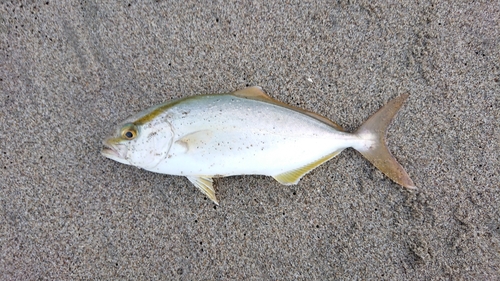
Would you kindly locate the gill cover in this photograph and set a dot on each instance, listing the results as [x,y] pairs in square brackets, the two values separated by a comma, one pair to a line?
[151,145]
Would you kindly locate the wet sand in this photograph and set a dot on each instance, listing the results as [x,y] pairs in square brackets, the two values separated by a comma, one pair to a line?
[69,72]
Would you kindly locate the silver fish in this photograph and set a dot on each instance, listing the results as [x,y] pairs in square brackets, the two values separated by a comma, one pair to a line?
[245,133]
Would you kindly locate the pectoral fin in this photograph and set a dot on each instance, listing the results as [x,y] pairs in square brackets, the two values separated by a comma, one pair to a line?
[205,184]
[293,176]
[196,140]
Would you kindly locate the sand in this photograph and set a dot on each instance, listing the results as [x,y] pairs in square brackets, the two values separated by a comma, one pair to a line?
[71,70]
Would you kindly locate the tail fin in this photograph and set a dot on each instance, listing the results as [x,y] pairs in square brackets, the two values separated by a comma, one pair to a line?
[373,131]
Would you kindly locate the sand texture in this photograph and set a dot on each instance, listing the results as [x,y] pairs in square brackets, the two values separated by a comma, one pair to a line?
[71,70]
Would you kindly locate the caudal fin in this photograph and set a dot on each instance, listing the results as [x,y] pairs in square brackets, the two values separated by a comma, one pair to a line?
[375,148]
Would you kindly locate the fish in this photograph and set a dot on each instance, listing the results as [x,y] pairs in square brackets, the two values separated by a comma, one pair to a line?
[246,132]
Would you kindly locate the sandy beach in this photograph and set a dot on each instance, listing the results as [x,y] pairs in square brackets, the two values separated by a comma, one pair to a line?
[71,70]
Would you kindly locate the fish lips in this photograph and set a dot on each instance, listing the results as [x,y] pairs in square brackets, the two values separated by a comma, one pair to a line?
[116,152]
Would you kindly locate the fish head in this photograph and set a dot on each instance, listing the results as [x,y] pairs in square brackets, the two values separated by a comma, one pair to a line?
[140,145]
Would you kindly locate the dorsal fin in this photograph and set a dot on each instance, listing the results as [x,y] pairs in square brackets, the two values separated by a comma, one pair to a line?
[256,93]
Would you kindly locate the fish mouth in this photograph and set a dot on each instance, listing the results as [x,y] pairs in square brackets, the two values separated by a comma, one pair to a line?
[114,151]
[109,151]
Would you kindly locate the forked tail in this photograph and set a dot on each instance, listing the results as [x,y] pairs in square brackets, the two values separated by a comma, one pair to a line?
[374,147]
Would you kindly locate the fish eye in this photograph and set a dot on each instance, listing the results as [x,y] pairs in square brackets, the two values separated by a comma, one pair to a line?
[129,132]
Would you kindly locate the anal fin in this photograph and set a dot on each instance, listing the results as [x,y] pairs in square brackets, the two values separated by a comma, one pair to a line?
[294,176]
[205,185]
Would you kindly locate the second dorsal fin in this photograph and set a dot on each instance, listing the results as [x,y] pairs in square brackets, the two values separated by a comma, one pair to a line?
[256,93]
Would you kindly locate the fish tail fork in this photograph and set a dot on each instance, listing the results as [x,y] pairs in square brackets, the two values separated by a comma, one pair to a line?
[374,148]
